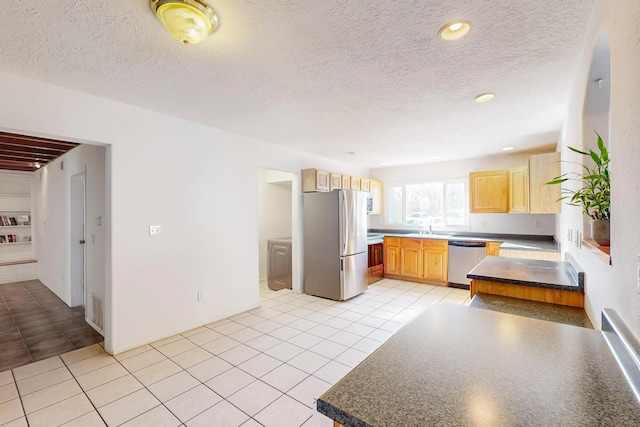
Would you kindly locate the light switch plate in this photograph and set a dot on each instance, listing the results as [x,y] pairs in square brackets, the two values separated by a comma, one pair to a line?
[154,230]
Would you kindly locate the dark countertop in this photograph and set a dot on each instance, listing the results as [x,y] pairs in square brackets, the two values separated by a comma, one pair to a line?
[510,241]
[461,366]
[529,272]
[533,309]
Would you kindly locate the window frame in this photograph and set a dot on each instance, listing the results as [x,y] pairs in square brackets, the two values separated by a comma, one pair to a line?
[445,182]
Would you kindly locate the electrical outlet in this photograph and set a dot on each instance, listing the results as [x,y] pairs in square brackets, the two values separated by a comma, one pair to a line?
[154,230]
[537,224]
[200,296]
[570,235]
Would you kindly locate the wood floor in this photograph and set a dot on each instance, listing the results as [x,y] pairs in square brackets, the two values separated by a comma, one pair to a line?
[35,324]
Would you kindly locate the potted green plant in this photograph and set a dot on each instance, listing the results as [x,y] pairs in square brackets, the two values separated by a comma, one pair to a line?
[594,196]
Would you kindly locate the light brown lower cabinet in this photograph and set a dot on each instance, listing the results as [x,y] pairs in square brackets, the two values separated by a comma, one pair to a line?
[417,260]
[493,248]
[531,293]
[391,256]
[434,265]
[411,258]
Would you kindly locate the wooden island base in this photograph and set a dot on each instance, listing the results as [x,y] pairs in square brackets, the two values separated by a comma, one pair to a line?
[532,293]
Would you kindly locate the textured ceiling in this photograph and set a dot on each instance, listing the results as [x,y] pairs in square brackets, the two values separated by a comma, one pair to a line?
[325,77]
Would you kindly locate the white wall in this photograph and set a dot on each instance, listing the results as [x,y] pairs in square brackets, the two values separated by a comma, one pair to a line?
[199,183]
[51,205]
[612,286]
[478,223]
[274,211]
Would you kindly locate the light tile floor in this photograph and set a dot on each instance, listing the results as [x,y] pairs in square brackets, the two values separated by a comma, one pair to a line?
[263,367]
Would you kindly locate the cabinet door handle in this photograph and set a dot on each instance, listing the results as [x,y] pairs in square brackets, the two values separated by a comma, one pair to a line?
[82,242]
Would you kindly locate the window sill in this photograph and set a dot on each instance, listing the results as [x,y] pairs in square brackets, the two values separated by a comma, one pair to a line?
[602,252]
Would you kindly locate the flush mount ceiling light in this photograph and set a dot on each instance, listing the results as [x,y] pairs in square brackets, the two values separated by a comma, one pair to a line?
[485,97]
[188,21]
[455,30]
[507,148]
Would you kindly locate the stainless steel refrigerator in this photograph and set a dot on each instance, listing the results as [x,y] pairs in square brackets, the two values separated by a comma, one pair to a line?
[335,244]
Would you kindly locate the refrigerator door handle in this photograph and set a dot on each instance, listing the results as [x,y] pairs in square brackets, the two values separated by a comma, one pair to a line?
[344,223]
[341,265]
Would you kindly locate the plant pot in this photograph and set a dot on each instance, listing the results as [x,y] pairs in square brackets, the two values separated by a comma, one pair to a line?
[600,232]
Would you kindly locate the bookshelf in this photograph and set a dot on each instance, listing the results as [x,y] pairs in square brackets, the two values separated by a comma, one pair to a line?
[15,229]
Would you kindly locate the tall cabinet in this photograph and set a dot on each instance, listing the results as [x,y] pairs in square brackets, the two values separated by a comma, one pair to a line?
[542,169]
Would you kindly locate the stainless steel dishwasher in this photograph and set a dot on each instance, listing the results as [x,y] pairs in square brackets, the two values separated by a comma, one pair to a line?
[463,256]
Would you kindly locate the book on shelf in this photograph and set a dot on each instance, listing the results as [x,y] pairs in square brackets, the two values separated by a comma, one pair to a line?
[3,239]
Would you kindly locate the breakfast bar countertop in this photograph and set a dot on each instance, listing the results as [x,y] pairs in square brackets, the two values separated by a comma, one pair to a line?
[457,365]
[529,272]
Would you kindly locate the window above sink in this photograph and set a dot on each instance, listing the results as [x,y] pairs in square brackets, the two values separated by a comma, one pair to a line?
[442,203]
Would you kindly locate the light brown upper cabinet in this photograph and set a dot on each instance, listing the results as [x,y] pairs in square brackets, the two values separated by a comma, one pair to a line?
[542,169]
[375,190]
[346,182]
[355,183]
[488,191]
[364,184]
[335,181]
[519,190]
[315,180]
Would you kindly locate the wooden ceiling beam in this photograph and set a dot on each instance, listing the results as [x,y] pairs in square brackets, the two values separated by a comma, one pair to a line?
[5,149]
[33,142]
[14,165]
[19,158]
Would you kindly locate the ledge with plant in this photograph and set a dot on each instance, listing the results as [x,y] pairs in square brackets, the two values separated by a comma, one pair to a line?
[594,196]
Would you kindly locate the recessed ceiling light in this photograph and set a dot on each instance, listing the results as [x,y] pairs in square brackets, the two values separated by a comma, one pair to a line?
[455,30]
[507,148]
[37,165]
[436,157]
[485,97]
[382,163]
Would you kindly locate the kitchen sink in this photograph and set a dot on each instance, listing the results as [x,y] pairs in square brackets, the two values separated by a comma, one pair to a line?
[428,236]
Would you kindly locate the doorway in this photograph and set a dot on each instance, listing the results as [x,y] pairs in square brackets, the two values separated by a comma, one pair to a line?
[278,207]
[77,214]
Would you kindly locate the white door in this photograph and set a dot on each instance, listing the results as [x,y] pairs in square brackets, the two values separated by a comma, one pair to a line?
[78,246]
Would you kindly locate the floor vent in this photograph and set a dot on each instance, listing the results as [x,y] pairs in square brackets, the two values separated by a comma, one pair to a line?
[97,311]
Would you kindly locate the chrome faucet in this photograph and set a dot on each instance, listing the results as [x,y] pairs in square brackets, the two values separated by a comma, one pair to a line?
[428,227]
